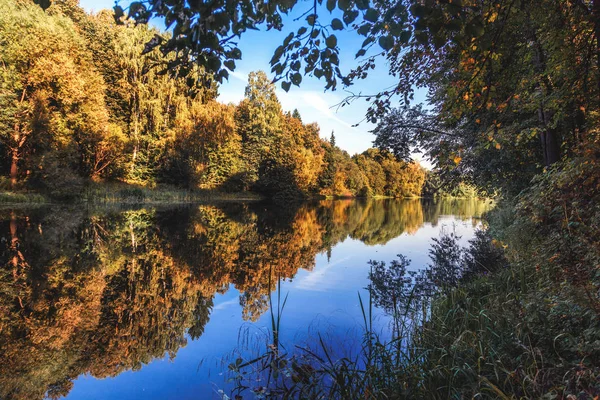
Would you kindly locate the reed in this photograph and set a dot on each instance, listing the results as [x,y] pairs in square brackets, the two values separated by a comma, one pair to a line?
[503,333]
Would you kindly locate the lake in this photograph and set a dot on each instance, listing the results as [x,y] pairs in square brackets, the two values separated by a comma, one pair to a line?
[153,302]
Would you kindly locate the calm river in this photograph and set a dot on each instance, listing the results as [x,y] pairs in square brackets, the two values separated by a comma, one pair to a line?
[151,303]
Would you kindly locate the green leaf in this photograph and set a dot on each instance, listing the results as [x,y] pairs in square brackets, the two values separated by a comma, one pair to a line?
[302,31]
[236,54]
[286,86]
[454,9]
[368,41]
[405,37]
[135,8]
[395,29]
[344,4]
[337,24]
[277,55]
[362,4]
[475,28]
[331,41]
[361,53]
[118,10]
[213,63]
[311,19]
[364,29]
[371,15]
[297,79]
[230,64]
[439,41]
[350,16]
[454,25]
[421,37]
[221,19]
[386,42]
[288,39]
[418,10]
[331,5]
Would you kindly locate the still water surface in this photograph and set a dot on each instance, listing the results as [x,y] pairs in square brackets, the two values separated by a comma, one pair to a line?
[150,303]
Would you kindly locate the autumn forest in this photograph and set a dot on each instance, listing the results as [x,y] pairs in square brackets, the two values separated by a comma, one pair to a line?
[82,101]
[157,242]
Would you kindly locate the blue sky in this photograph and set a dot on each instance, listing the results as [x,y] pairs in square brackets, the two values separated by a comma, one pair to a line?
[314,104]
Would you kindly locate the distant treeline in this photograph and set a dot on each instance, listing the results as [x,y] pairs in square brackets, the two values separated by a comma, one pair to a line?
[81,101]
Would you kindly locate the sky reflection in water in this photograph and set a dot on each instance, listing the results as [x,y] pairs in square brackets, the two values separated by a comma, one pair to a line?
[148,303]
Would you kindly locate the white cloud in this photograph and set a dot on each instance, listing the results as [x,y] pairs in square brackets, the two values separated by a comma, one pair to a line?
[242,76]
[314,106]
[226,304]
[315,281]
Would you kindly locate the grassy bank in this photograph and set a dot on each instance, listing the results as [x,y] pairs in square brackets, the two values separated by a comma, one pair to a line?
[507,334]
[7,197]
[515,315]
[106,193]
[126,194]
[121,193]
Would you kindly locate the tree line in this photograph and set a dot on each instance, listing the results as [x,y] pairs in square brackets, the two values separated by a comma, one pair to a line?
[513,86]
[513,105]
[83,99]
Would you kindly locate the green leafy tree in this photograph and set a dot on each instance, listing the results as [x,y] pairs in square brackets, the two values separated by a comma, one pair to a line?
[517,82]
[259,122]
[54,119]
[205,150]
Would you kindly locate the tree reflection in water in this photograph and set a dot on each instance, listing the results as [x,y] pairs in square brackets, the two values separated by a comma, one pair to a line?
[105,291]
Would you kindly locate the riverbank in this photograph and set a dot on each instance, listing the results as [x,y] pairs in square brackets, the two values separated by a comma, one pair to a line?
[105,193]
[515,314]
[7,197]
[122,193]
[128,194]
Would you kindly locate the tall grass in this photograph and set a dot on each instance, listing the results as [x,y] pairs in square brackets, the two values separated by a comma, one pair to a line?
[120,193]
[21,198]
[315,371]
[492,334]
[135,194]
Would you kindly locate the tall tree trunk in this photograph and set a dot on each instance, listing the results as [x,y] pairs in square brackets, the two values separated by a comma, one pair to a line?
[136,144]
[550,146]
[548,135]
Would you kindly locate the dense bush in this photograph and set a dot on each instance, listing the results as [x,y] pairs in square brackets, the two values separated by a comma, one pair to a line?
[513,315]
[531,330]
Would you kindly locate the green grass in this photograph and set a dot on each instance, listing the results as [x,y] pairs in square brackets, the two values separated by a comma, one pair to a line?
[117,193]
[21,198]
[133,194]
[509,332]
[475,343]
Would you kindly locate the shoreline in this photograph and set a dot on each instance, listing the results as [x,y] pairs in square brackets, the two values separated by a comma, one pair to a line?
[103,194]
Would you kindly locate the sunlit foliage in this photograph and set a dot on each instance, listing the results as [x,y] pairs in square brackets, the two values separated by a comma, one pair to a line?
[83,99]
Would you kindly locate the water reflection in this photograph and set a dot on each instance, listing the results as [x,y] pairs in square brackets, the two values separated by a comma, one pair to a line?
[105,291]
